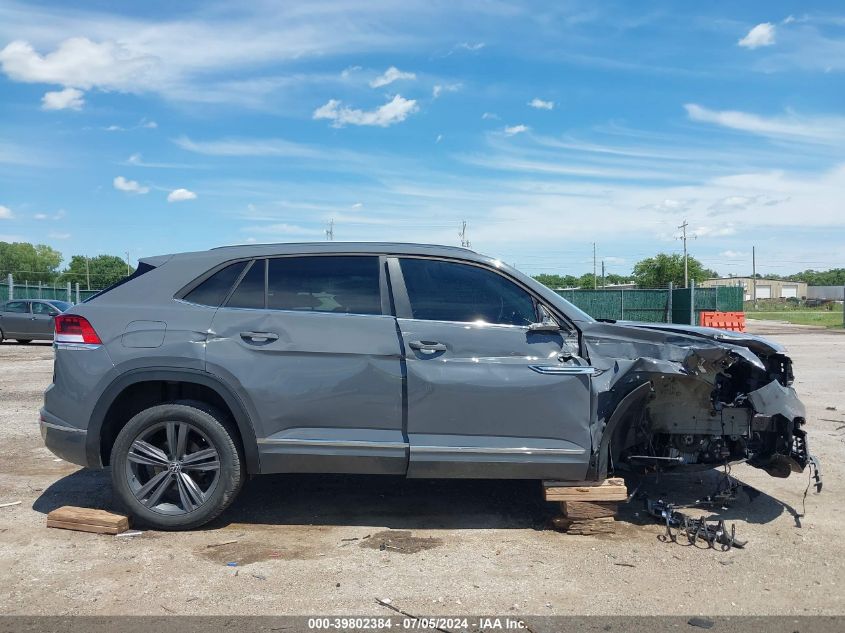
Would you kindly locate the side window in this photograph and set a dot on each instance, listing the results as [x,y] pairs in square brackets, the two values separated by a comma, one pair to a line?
[343,284]
[17,306]
[250,291]
[446,291]
[214,290]
[43,308]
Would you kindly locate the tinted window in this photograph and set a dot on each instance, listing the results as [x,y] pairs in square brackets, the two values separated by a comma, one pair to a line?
[16,306]
[250,291]
[445,291]
[214,290]
[345,284]
[43,308]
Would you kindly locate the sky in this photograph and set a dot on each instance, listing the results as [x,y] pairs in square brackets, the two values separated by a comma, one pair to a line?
[157,127]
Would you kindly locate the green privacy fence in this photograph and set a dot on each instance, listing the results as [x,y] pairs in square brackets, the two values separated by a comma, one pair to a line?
[43,291]
[655,305]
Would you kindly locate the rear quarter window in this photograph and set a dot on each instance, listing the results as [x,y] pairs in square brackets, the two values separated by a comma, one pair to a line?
[214,290]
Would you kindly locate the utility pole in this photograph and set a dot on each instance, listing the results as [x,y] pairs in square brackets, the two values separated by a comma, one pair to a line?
[330,231]
[87,275]
[463,235]
[754,275]
[683,237]
[603,284]
[128,265]
[595,281]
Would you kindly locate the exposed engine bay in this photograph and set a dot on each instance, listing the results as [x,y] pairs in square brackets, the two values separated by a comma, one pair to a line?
[689,397]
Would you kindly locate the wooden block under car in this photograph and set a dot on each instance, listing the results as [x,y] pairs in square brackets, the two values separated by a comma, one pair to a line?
[87,520]
[584,510]
[612,489]
[590,527]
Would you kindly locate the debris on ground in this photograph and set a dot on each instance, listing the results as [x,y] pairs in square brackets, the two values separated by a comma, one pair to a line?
[10,503]
[128,534]
[211,545]
[713,531]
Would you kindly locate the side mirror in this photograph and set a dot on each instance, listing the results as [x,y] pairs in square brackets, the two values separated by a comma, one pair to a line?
[546,326]
[547,322]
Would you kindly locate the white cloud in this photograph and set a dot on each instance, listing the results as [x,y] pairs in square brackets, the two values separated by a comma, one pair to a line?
[6,213]
[77,62]
[823,130]
[761,35]
[788,19]
[67,99]
[150,125]
[539,104]
[56,216]
[390,75]
[130,186]
[721,230]
[470,46]
[394,111]
[179,195]
[489,116]
[733,254]
[670,205]
[58,236]
[439,89]
[439,138]
[512,130]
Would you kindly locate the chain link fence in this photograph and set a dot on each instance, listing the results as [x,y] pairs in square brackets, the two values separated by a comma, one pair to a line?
[656,305]
[71,293]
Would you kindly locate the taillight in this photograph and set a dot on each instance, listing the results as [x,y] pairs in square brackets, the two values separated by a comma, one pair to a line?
[71,328]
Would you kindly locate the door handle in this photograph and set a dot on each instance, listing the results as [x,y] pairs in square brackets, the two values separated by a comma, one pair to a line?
[427,347]
[259,338]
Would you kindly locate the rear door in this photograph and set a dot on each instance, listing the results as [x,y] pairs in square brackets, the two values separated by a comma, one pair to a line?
[310,342]
[16,319]
[487,396]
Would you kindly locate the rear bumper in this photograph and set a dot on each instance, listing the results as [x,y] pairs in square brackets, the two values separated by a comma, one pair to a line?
[64,440]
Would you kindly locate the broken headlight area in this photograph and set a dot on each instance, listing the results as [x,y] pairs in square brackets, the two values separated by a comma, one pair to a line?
[673,399]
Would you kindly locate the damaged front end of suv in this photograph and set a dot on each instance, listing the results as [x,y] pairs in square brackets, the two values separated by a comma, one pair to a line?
[671,396]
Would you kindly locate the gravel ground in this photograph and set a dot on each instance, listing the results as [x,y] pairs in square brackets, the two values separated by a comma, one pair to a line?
[318,545]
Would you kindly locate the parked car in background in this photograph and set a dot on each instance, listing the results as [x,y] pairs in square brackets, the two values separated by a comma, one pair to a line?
[27,320]
[423,361]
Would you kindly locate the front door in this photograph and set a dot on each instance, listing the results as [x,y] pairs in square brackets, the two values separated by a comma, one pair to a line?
[308,341]
[487,397]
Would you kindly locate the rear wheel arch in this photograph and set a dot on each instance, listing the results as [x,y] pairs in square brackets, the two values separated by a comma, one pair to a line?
[139,389]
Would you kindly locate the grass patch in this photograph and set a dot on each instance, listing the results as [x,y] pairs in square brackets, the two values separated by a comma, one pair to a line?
[823,318]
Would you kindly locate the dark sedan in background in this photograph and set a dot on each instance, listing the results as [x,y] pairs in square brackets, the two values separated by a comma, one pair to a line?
[28,320]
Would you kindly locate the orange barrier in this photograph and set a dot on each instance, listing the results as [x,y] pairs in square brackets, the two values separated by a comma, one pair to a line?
[734,321]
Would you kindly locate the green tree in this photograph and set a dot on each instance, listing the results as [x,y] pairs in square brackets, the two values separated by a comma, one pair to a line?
[658,271]
[103,270]
[29,262]
[557,281]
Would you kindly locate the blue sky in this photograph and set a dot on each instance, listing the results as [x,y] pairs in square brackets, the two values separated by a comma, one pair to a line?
[169,126]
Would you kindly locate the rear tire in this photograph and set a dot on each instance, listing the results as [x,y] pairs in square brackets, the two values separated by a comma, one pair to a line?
[24,341]
[176,466]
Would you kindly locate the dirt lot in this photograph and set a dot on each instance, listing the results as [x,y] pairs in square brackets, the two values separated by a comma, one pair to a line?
[307,545]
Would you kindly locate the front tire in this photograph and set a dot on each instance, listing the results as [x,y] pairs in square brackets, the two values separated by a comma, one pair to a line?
[176,466]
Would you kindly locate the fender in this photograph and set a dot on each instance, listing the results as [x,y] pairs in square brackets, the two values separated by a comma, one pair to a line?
[148,374]
[636,397]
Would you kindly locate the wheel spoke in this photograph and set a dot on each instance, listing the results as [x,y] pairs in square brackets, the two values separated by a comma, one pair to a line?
[143,452]
[205,459]
[189,492]
[155,487]
[177,439]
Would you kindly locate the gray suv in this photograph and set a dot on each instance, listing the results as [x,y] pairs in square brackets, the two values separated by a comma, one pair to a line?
[424,361]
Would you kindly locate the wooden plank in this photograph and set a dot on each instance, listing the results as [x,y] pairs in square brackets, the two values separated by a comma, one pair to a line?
[581,510]
[87,520]
[605,525]
[613,489]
